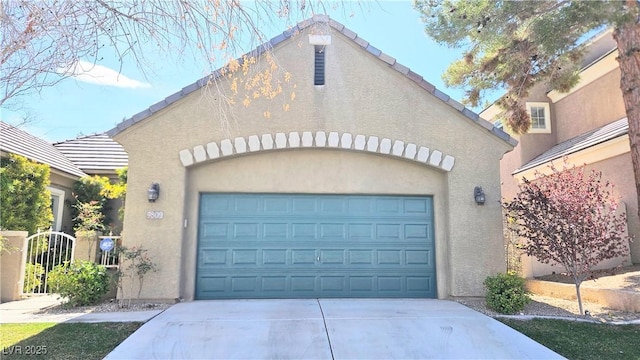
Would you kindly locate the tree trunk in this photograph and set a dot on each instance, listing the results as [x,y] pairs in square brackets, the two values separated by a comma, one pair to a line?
[627,37]
[579,298]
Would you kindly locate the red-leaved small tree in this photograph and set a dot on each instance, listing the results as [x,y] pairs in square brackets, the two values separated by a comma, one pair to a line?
[569,219]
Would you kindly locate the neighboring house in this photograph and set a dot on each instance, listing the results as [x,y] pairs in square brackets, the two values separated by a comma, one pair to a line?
[63,172]
[95,154]
[364,188]
[99,155]
[587,125]
[69,161]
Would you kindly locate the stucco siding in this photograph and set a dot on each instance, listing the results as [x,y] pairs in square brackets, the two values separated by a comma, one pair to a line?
[475,242]
[619,171]
[149,162]
[362,95]
[591,106]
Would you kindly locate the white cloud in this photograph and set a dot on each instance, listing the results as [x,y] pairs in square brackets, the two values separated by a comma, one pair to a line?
[100,75]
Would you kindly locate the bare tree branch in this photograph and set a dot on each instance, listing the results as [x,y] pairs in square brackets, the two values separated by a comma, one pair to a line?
[43,41]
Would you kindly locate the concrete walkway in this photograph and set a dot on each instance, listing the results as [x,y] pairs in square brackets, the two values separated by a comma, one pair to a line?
[33,309]
[326,329]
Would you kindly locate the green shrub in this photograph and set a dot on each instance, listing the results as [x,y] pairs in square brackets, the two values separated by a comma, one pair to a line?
[90,217]
[81,282]
[26,202]
[506,293]
[32,277]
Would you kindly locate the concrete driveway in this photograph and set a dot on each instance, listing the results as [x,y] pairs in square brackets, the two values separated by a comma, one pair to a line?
[326,329]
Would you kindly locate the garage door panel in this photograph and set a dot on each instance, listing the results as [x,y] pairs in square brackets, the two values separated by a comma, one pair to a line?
[218,205]
[277,205]
[244,257]
[274,257]
[390,284]
[335,231]
[311,286]
[361,231]
[361,257]
[303,256]
[215,230]
[416,231]
[212,257]
[338,258]
[363,284]
[360,206]
[417,257]
[243,284]
[332,283]
[304,230]
[389,257]
[416,206]
[246,204]
[303,284]
[331,257]
[304,205]
[332,205]
[256,246]
[418,283]
[243,231]
[275,231]
[389,231]
[212,284]
[274,284]
[388,206]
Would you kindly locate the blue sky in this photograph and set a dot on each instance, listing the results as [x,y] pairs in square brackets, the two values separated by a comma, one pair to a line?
[76,106]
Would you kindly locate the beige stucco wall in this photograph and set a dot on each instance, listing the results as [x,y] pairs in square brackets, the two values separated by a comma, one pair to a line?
[529,145]
[362,95]
[12,265]
[619,171]
[591,106]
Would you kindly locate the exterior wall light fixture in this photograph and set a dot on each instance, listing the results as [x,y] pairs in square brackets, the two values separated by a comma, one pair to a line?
[478,195]
[153,192]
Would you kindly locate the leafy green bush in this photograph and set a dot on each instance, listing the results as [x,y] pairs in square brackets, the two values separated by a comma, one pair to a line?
[32,277]
[26,202]
[81,282]
[90,217]
[89,195]
[506,293]
[90,211]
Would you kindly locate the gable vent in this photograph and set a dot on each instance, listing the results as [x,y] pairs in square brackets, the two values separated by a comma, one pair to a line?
[318,75]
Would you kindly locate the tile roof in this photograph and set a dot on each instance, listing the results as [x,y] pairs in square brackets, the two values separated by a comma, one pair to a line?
[592,138]
[16,141]
[94,153]
[393,64]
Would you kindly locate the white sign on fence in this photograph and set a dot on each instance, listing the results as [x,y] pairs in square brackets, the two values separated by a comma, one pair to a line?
[107,244]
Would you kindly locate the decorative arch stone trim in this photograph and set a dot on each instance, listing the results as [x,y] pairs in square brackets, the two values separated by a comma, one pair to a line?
[321,139]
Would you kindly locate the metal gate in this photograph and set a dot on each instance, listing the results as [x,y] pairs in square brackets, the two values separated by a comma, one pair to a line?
[45,250]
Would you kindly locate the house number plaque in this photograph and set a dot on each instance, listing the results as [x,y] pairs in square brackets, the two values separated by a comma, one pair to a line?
[155,215]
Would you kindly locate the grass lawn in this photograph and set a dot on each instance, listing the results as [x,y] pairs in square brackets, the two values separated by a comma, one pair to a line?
[577,340]
[62,341]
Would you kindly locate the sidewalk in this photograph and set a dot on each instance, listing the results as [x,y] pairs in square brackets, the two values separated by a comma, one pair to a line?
[32,309]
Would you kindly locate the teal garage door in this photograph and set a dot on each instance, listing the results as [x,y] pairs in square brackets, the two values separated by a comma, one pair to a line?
[310,246]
